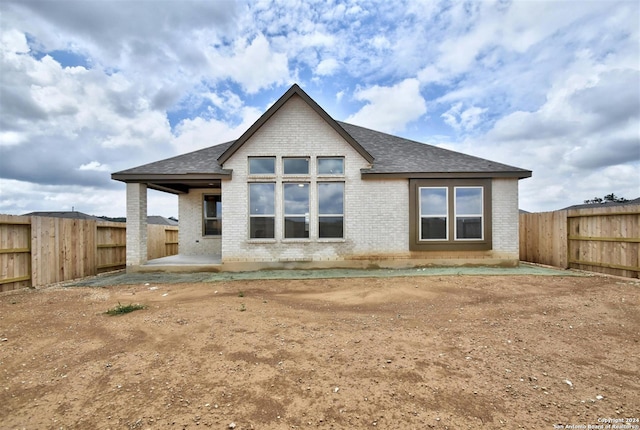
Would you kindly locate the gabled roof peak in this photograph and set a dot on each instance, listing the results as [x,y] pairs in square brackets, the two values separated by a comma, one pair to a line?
[294,90]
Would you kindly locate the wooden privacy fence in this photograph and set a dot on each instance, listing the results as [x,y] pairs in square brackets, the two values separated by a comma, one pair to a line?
[598,239]
[37,251]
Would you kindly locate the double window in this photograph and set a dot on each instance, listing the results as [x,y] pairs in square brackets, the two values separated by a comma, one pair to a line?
[450,215]
[310,207]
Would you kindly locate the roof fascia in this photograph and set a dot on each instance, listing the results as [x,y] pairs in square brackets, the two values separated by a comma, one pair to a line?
[159,178]
[448,175]
[294,90]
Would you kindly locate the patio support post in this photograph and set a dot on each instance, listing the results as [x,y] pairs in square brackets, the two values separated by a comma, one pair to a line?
[136,224]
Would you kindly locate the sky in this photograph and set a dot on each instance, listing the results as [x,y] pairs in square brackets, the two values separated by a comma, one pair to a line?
[92,87]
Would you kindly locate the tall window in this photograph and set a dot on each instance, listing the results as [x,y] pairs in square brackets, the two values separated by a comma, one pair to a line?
[468,208]
[262,210]
[433,213]
[330,209]
[212,208]
[296,210]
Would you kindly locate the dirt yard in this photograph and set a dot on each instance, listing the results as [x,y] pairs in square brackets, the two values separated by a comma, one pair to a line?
[457,352]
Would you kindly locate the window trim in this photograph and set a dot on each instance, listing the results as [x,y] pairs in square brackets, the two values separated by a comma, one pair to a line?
[451,244]
[205,218]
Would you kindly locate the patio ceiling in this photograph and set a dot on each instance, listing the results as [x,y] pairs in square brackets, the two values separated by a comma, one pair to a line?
[174,184]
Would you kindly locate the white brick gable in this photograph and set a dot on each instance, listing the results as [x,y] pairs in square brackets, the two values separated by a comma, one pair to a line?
[296,130]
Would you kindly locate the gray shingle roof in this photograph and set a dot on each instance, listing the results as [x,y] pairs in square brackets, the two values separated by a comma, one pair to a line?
[388,154]
[392,155]
[396,155]
[203,161]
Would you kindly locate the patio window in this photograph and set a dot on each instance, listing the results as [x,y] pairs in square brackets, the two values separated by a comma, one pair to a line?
[296,210]
[212,215]
[450,215]
[262,210]
[330,210]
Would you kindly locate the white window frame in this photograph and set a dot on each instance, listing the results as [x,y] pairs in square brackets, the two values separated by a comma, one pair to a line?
[475,215]
[445,215]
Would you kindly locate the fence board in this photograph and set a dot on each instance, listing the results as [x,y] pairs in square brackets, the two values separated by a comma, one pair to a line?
[599,239]
[543,238]
[15,259]
[111,240]
[160,240]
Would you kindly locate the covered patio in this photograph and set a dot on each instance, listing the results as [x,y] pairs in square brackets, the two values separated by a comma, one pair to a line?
[181,263]
[188,176]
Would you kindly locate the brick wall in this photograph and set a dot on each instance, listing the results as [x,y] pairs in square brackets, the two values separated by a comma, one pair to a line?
[136,224]
[376,211]
[505,216]
[297,130]
[190,238]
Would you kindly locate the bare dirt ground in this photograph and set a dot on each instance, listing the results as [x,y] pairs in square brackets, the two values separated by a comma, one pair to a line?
[457,352]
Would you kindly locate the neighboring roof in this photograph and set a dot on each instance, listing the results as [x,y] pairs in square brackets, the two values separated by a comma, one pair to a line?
[151,219]
[401,157]
[390,156]
[160,220]
[603,205]
[63,214]
[294,90]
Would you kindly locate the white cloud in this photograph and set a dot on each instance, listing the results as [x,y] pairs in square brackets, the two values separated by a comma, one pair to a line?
[241,64]
[463,119]
[8,138]
[198,133]
[13,42]
[389,108]
[95,166]
[327,67]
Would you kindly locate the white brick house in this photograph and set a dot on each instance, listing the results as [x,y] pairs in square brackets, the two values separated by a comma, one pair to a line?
[301,190]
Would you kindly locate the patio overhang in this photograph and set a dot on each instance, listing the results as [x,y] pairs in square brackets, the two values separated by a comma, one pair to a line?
[174,183]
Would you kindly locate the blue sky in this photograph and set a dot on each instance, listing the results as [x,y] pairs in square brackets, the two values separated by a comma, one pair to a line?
[88,88]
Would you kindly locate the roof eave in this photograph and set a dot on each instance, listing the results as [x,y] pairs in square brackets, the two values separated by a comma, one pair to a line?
[519,174]
[175,177]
